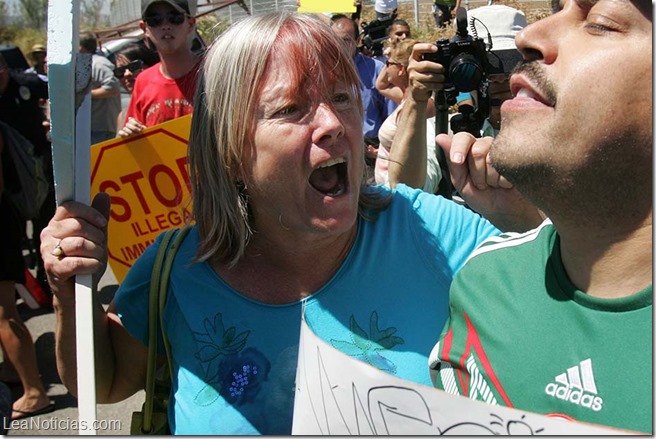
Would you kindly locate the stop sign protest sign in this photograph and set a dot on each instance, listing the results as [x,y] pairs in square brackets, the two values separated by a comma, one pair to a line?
[146,177]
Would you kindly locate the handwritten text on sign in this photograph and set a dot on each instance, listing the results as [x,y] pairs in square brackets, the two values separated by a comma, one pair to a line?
[146,177]
[339,395]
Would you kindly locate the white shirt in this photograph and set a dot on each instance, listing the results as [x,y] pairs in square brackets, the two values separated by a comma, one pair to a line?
[385,6]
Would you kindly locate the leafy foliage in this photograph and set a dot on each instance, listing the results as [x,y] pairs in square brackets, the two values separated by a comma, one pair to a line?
[34,13]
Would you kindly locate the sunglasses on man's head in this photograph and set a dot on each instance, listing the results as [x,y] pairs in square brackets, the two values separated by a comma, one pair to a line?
[132,66]
[156,20]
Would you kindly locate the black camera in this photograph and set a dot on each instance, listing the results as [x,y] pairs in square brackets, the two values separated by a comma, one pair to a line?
[374,35]
[464,58]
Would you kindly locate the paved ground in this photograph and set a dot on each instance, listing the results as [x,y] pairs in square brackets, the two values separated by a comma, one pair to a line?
[114,419]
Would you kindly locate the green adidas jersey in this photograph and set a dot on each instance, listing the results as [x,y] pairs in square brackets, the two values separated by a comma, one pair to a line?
[521,335]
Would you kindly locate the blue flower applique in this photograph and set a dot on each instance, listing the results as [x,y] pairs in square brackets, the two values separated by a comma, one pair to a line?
[368,347]
[218,344]
[241,376]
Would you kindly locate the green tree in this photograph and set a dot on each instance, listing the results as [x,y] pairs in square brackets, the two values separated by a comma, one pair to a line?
[91,14]
[34,13]
[3,14]
[210,27]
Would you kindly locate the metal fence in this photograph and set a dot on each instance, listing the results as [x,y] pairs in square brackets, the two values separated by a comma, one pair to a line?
[256,7]
[126,10]
[412,9]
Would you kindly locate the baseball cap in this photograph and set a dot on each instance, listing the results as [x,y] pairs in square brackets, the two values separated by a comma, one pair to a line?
[503,23]
[179,5]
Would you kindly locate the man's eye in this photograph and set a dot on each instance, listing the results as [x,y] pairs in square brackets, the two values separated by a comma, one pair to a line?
[601,26]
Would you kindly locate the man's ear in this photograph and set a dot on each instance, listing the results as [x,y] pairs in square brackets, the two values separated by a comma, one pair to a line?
[192,23]
[143,27]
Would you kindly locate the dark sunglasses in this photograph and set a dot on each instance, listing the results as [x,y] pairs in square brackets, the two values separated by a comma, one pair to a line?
[156,20]
[132,66]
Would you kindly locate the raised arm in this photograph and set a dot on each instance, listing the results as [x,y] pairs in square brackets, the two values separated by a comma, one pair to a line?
[408,152]
[386,88]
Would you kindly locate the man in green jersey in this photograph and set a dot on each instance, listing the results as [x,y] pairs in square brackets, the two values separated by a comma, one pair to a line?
[559,320]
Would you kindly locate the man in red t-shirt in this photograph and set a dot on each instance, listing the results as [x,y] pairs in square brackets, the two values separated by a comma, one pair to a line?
[165,91]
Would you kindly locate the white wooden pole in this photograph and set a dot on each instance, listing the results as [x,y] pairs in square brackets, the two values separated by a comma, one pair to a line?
[417,12]
[69,74]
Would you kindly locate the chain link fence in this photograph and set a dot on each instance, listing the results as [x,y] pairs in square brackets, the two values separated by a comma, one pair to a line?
[417,12]
[411,10]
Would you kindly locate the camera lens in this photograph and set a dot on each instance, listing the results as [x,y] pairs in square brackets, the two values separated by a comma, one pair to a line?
[465,72]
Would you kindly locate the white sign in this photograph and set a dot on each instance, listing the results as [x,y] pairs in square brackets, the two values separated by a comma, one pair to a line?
[339,395]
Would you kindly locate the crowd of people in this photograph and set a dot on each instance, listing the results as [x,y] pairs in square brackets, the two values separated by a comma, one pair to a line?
[314,172]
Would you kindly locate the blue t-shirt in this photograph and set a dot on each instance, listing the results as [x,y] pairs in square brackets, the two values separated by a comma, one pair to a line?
[234,358]
[375,104]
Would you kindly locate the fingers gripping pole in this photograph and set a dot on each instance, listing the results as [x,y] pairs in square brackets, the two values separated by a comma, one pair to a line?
[69,79]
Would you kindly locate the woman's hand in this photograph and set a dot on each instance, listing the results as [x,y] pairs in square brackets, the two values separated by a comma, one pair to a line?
[75,242]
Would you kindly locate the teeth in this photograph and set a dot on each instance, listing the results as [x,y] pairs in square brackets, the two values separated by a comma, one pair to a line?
[524,93]
[337,192]
[332,162]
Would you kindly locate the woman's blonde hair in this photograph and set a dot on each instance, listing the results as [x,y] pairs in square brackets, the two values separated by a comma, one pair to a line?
[224,115]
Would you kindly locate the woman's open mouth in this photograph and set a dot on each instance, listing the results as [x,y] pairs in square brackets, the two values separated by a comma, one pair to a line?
[331,177]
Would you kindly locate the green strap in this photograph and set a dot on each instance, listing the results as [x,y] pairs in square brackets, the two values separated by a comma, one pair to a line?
[163,287]
[156,300]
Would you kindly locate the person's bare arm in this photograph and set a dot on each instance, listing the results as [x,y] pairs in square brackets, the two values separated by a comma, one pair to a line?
[104,93]
[407,163]
[80,230]
[386,88]
[408,151]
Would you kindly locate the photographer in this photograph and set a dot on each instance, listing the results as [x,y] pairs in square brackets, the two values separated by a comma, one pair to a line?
[408,160]
[397,71]
[408,153]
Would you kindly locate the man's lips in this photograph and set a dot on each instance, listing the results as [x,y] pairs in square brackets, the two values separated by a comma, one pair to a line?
[522,88]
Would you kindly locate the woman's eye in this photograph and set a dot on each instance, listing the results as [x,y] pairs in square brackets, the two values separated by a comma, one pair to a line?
[286,111]
[341,98]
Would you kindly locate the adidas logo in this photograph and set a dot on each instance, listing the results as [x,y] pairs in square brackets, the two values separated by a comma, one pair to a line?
[577,386]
